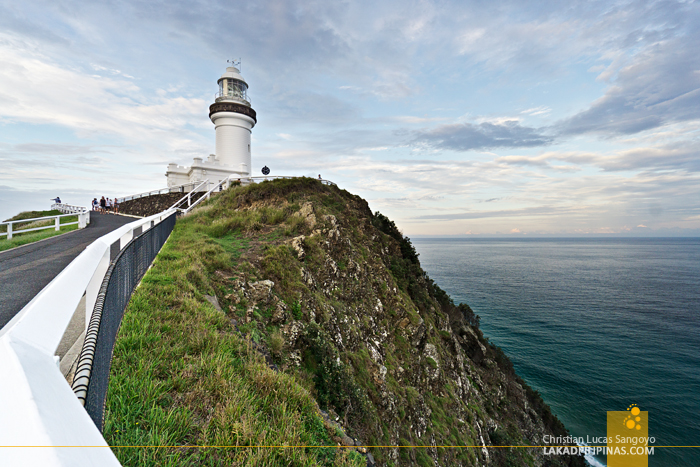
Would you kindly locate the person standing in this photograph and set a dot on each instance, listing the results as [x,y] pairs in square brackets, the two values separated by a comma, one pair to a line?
[115,206]
[103,205]
[95,204]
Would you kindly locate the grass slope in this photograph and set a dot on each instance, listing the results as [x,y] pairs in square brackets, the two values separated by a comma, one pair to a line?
[184,377]
[191,385]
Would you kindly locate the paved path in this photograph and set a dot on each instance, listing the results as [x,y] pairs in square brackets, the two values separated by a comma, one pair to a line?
[24,271]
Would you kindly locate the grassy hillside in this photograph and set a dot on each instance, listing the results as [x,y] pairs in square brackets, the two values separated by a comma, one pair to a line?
[329,337]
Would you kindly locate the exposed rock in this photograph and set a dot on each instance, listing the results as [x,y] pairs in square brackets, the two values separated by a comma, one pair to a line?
[260,292]
[214,301]
[390,359]
[298,245]
[307,213]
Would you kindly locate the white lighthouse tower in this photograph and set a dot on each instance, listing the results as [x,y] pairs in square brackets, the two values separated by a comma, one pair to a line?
[233,120]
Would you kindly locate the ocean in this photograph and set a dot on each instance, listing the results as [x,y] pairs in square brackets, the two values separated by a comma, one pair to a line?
[593,324]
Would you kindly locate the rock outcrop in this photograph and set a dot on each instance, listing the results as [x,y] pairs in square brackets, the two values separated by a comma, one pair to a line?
[337,298]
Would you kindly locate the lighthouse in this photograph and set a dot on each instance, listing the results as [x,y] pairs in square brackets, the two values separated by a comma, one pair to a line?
[233,119]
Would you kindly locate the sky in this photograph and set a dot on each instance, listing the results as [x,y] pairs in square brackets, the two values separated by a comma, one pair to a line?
[452,118]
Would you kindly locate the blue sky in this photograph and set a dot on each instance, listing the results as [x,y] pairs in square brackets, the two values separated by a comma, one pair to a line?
[453,118]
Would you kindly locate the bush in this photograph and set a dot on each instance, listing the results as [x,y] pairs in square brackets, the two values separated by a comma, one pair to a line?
[470,317]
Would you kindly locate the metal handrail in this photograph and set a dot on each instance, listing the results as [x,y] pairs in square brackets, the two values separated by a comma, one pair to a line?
[220,96]
[275,177]
[188,196]
[208,194]
[68,208]
[170,189]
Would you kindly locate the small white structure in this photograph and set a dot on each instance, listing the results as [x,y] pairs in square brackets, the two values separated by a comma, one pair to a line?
[233,120]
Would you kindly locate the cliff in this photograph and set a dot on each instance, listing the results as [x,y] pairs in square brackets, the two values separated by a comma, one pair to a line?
[300,284]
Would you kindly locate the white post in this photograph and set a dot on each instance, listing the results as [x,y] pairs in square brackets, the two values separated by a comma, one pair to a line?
[9,231]
[58,223]
[93,288]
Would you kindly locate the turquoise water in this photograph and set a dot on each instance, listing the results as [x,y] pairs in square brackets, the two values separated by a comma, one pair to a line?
[593,324]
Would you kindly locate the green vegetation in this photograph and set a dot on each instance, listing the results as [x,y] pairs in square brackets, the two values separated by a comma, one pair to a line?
[325,310]
[186,376]
[19,239]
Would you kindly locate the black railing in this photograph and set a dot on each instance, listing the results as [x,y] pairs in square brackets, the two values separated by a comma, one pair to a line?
[124,273]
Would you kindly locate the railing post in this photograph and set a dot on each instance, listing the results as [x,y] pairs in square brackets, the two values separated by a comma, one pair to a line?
[9,231]
[58,223]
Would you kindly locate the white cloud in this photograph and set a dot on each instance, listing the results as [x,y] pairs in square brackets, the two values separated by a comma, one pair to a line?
[395,101]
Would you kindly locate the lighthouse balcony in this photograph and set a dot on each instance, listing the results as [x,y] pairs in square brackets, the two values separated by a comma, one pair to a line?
[232,97]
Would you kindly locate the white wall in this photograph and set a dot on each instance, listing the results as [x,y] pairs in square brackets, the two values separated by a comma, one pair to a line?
[233,139]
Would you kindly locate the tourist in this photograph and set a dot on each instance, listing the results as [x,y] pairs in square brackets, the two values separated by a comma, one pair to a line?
[115,206]
[95,204]
[56,200]
[103,205]
[108,202]
[319,177]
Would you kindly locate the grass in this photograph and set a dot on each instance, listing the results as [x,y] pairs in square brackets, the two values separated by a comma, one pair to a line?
[19,239]
[187,386]
[194,386]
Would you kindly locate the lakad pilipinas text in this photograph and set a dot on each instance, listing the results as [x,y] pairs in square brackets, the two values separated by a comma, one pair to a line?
[627,443]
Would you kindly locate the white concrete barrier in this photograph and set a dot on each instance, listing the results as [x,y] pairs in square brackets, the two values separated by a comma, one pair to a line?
[41,420]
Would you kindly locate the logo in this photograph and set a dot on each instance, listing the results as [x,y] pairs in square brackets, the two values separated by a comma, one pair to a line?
[627,443]
[628,438]
[633,421]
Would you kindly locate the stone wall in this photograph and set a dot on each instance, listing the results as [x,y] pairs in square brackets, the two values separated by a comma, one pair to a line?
[150,205]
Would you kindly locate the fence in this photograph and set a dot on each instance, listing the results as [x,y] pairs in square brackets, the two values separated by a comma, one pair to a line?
[198,186]
[69,208]
[125,272]
[43,422]
[185,188]
[83,221]
[275,177]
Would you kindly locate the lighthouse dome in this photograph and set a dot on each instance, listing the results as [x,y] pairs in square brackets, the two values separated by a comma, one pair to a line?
[232,72]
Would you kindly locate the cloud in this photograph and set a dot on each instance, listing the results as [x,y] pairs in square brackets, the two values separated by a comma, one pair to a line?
[541,110]
[370,94]
[49,149]
[309,108]
[537,211]
[664,158]
[657,86]
[487,135]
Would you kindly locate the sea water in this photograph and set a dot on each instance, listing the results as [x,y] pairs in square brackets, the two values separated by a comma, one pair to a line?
[594,325]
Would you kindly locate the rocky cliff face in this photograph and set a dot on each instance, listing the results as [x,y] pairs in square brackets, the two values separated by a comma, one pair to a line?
[334,295]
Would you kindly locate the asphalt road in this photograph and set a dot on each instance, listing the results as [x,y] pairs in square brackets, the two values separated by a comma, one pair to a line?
[24,271]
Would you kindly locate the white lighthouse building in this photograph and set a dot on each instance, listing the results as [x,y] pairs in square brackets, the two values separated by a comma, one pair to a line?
[233,120]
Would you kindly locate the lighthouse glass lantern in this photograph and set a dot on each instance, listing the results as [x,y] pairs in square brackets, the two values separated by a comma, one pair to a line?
[231,88]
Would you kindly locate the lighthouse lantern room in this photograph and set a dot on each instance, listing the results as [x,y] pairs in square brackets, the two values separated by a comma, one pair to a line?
[233,119]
